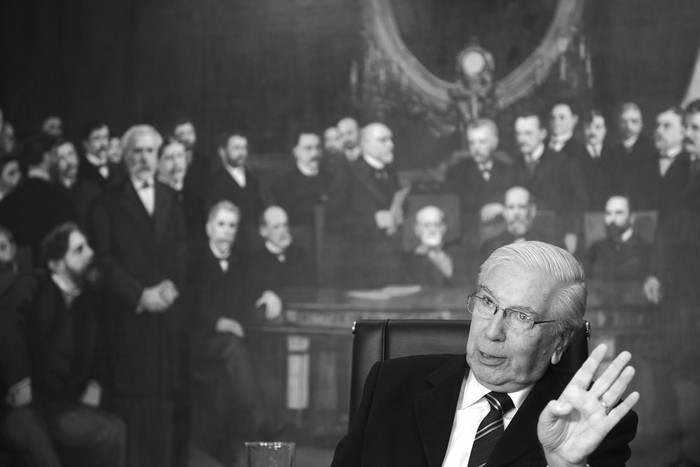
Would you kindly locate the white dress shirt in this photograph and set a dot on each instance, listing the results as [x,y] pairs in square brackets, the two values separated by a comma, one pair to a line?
[101,164]
[147,193]
[472,407]
[238,174]
[667,159]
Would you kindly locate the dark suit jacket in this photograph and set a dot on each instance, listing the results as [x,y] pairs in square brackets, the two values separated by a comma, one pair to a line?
[137,251]
[599,176]
[299,195]
[43,339]
[466,180]
[267,272]
[222,186]
[356,194]
[557,185]
[638,172]
[32,210]
[216,293]
[626,261]
[87,171]
[408,406]
[83,192]
[418,269]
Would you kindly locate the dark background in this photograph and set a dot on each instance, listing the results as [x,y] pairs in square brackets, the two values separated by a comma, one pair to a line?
[270,66]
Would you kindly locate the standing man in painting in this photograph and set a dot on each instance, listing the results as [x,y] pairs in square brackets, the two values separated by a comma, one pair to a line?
[139,234]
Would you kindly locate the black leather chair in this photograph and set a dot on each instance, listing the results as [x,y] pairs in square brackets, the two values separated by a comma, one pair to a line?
[379,340]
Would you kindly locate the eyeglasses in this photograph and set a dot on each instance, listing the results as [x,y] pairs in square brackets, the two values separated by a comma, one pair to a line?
[486,308]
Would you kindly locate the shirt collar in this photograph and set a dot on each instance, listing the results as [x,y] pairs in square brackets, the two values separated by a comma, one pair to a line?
[673,152]
[69,289]
[537,153]
[629,142]
[563,138]
[139,182]
[374,163]
[95,160]
[626,235]
[36,172]
[272,248]
[306,171]
[215,251]
[474,391]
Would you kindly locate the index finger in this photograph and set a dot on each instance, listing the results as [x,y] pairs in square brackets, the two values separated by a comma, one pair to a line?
[583,377]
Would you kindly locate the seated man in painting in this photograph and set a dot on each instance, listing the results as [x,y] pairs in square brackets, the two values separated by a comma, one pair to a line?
[433,263]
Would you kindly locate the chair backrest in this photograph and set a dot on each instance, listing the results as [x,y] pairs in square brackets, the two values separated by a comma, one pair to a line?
[379,340]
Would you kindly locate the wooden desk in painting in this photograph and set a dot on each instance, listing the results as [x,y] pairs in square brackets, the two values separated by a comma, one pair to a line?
[317,327]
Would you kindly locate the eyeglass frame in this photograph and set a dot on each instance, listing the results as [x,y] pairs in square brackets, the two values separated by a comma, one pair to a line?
[506,313]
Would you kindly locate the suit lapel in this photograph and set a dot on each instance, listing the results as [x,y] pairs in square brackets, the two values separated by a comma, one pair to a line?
[132,203]
[363,173]
[521,435]
[435,408]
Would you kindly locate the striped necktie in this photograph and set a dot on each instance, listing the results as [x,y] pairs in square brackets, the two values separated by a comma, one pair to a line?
[490,429]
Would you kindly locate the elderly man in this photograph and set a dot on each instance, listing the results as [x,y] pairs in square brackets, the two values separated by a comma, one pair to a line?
[519,211]
[480,180]
[554,181]
[365,205]
[622,254]
[51,339]
[139,234]
[306,186]
[433,263]
[434,410]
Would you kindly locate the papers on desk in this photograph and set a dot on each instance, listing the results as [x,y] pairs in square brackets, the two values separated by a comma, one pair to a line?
[385,293]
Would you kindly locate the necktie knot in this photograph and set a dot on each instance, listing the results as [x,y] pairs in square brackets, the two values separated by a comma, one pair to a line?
[500,401]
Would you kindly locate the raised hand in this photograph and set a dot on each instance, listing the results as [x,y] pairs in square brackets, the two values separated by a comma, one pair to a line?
[573,426]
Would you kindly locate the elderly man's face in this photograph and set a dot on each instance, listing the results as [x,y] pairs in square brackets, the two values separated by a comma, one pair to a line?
[98,142]
[222,229]
[236,151]
[379,144]
[630,123]
[529,134]
[562,120]
[430,228]
[518,212]
[186,134]
[502,359]
[142,156]
[67,161]
[482,143]
[692,133]
[669,131]
[172,164]
[276,229]
[307,152]
[595,131]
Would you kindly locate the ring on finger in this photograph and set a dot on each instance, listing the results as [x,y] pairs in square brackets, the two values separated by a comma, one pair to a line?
[605,406]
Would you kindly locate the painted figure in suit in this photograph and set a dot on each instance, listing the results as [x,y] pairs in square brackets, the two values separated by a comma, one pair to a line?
[95,165]
[622,254]
[231,180]
[554,181]
[599,164]
[519,211]
[563,118]
[365,206]
[81,191]
[480,181]
[172,166]
[8,259]
[433,263]
[673,284]
[304,187]
[51,371]
[227,407]
[37,205]
[427,410]
[637,159]
[140,238]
